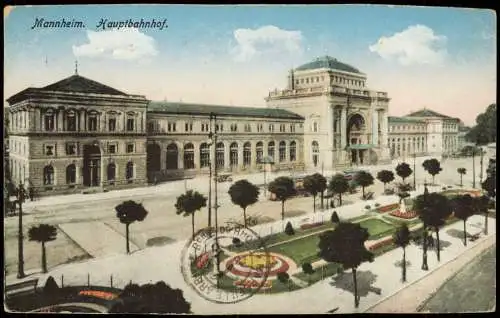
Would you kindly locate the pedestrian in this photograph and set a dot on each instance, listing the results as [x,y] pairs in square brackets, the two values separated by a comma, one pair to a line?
[31,193]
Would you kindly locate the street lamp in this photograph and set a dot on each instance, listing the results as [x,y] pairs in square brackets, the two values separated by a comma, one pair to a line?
[473,168]
[20,195]
[414,171]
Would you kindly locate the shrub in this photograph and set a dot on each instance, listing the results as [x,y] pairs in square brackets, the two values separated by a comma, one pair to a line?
[289,229]
[283,277]
[335,218]
[407,215]
[449,187]
[367,207]
[377,205]
[307,268]
[444,188]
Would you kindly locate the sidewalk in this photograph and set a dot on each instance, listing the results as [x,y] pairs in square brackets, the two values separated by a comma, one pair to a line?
[409,299]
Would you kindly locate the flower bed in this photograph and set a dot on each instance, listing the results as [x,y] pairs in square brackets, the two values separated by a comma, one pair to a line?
[387,208]
[381,243]
[406,215]
[310,225]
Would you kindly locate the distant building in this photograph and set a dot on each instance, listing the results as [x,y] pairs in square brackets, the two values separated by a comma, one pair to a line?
[424,132]
[462,132]
[344,121]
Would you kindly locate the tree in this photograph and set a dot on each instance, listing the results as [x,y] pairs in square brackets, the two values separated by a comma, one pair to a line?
[308,269]
[315,184]
[433,167]
[151,298]
[364,179]
[402,238]
[128,212]
[244,193]
[289,229]
[489,185]
[461,172]
[190,202]
[485,130]
[385,176]
[433,213]
[403,170]
[463,209]
[283,188]
[338,185]
[335,218]
[346,245]
[43,233]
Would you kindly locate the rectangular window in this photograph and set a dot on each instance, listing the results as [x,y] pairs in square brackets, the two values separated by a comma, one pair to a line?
[92,123]
[112,124]
[271,128]
[292,128]
[48,121]
[130,124]
[130,148]
[111,148]
[188,126]
[70,149]
[49,150]
[71,121]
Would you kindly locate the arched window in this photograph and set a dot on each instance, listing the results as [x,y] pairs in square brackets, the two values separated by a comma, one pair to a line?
[270,149]
[189,156]
[233,154]
[219,155]
[48,175]
[293,151]
[204,155]
[48,120]
[92,121]
[71,120]
[282,151]
[129,171]
[259,149]
[111,172]
[71,174]
[172,157]
[315,152]
[247,154]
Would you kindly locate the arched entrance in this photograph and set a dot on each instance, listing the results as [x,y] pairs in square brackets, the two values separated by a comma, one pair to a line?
[355,136]
[91,165]
[153,159]
[172,157]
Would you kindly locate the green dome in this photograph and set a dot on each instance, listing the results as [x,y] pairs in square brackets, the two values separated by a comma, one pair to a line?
[328,62]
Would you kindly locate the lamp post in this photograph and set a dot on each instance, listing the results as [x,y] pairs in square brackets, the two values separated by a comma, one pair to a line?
[481,167]
[414,171]
[473,168]
[210,136]
[216,205]
[20,200]
[425,266]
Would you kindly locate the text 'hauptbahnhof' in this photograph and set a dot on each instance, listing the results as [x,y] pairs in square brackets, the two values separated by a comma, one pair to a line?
[78,133]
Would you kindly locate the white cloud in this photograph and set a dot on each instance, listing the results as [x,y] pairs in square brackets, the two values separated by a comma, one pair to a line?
[418,44]
[123,44]
[266,39]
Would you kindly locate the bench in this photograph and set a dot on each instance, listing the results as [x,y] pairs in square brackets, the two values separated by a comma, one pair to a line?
[369,195]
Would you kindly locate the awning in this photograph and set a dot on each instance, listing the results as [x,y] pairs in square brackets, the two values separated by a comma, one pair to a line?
[360,146]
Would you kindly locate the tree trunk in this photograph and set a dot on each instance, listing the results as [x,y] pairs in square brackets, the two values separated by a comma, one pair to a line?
[438,249]
[404,264]
[486,223]
[465,234]
[425,266]
[461,176]
[282,210]
[356,300]
[44,259]
[126,237]
[384,186]
[192,223]
[314,203]
[363,192]
[433,181]
[322,199]
[340,199]
[245,216]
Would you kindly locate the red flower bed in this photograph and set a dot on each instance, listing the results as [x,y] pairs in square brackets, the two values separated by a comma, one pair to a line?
[310,225]
[387,208]
[407,215]
[379,244]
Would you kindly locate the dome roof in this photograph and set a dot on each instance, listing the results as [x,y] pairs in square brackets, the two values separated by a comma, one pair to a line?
[328,62]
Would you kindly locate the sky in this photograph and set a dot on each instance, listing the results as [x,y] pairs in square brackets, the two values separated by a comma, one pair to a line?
[440,58]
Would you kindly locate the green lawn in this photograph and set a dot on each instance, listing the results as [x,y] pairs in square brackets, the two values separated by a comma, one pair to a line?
[377,228]
[301,250]
[320,273]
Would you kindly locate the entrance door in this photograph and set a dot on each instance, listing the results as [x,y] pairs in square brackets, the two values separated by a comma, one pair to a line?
[91,166]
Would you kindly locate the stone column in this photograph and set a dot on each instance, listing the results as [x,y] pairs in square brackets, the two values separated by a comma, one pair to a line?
[180,158]
[331,123]
[343,128]
[82,120]
[375,136]
[59,120]
[227,163]
[240,156]
[197,164]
